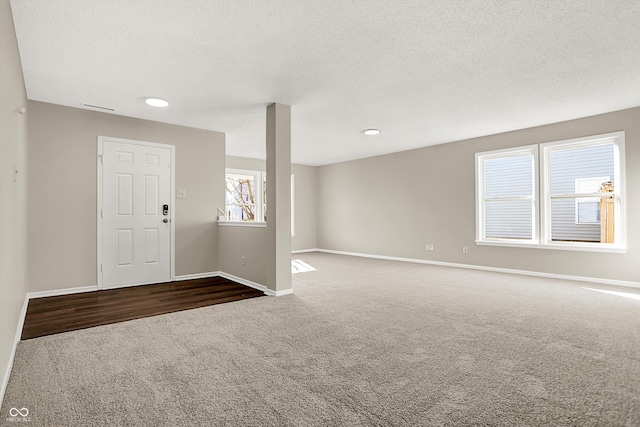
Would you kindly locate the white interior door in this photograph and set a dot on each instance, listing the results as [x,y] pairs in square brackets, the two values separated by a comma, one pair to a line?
[136,213]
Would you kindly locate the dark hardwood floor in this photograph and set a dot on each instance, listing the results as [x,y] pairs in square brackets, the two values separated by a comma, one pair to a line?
[52,315]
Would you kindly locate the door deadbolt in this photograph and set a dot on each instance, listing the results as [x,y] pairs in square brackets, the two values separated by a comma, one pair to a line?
[165,209]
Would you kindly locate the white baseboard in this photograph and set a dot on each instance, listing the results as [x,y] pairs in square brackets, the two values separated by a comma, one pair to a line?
[245,282]
[302,251]
[237,279]
[494,269]
[80,289]
[16,340]
[281,293]
[197,276]
[69,291]
[23,315]
[255,285]
[66,291]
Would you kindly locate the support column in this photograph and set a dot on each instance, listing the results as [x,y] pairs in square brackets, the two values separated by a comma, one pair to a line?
[279,198]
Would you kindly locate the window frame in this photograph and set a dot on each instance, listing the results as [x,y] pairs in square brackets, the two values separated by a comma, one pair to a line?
[260,202]
[258,192]
[619,193]
[480,196]
[293,206]
[542,204]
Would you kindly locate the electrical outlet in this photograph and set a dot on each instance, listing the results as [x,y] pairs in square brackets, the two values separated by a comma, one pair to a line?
[244,260]
[428,247]
[181,193]
[465,250]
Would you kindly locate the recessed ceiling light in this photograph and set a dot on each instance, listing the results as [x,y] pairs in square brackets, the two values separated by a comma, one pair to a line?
[156,102]
[371,131]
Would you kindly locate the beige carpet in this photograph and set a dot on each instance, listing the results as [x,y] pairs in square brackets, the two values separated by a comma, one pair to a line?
[360,342]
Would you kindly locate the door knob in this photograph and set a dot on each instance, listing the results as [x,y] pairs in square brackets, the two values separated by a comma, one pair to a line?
[165,220]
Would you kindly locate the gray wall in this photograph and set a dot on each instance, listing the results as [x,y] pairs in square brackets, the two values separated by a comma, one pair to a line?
[305,206]
[234,242]
[393,204]
[13,143]
[63,190]
[237,241]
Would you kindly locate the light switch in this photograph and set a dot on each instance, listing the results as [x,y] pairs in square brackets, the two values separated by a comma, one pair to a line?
[181,193]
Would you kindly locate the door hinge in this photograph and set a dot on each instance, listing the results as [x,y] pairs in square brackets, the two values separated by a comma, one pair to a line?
[101,271]
[101,214]
[101,159]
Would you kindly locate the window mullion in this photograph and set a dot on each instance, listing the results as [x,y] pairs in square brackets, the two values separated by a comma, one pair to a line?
[505,188]
[510,198]
[611,194]
[584,163]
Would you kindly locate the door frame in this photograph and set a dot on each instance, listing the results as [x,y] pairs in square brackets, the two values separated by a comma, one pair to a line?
[172,228]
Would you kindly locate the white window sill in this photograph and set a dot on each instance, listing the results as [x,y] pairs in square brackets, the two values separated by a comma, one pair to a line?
[243,224]
[586,247]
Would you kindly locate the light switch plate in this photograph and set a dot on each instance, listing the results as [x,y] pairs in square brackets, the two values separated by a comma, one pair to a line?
[181,193]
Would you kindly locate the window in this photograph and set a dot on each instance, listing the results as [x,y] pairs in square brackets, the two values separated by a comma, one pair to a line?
[293,206]
[565,195]
[508,192]
[246,196]
[583,203]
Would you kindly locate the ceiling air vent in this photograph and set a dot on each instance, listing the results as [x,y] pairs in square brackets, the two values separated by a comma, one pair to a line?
[98,107]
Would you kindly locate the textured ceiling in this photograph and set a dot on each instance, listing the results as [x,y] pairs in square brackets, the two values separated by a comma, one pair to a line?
[424,72]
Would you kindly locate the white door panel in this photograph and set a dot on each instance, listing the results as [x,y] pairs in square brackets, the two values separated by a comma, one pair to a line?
[136,240]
